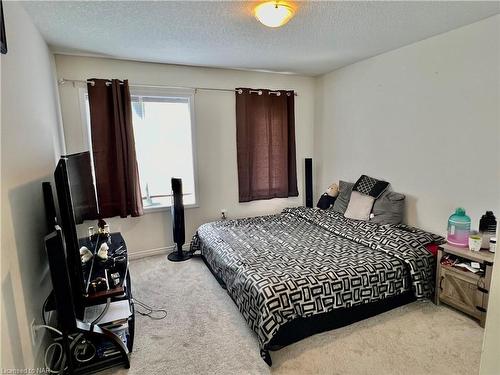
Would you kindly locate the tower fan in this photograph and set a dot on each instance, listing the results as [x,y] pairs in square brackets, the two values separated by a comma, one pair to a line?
[178,223]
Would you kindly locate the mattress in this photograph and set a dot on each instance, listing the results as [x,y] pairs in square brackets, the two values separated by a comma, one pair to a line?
[304,262]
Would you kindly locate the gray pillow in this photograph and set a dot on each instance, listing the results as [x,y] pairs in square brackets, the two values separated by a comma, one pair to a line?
[389,208]
[345,189]
[360,206]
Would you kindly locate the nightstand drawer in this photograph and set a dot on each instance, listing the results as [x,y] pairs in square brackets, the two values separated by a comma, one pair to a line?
[460,290]
[465,291]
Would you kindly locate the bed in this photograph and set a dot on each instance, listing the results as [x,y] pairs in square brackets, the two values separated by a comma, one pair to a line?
[305,271]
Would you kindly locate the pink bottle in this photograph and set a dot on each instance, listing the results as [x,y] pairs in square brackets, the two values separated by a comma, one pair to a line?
[459,228]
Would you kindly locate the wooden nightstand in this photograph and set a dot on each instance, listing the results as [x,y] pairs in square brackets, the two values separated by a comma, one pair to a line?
[465,291]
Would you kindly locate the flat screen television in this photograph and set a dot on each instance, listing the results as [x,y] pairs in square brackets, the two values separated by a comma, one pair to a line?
[54,247]
[81,184]
[77,202]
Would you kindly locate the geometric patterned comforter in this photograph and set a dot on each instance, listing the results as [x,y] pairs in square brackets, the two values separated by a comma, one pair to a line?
[306,261]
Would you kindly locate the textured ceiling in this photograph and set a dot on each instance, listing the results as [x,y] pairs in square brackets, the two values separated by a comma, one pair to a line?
[323,36]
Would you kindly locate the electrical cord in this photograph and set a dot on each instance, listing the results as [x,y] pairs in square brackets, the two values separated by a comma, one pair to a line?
[59,359]
[56,348]
[49,328]
[96,320]
[81,354]
[43,310]
[150,312]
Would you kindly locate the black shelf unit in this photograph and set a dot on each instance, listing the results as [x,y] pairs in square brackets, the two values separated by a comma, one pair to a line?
[98,334]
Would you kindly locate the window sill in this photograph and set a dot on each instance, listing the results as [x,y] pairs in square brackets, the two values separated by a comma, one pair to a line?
[150,210]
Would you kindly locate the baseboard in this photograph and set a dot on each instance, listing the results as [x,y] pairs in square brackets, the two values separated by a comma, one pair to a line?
[151,252]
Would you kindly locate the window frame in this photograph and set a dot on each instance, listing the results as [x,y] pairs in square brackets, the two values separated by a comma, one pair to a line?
[159,91]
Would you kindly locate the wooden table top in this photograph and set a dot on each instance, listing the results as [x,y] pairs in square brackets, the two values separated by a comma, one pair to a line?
[477,256]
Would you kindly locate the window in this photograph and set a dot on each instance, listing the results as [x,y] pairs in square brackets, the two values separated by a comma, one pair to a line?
[163,131]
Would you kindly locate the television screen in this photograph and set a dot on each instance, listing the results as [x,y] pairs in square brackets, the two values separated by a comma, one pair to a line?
[81,183]
[77,202]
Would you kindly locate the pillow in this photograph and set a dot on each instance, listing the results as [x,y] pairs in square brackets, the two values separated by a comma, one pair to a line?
[360,206]
[326,201]
[370,186]
[432,248]
[389,208]
[345,189]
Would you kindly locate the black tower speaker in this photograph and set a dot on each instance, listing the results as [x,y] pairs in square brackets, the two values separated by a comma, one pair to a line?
[178,222]
[309,182]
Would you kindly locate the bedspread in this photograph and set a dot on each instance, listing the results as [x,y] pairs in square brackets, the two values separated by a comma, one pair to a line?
[306,261]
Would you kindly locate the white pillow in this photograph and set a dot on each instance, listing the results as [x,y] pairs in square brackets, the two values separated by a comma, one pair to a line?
[359,207]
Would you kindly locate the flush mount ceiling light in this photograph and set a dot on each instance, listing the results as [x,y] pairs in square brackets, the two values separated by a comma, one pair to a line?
[274,13]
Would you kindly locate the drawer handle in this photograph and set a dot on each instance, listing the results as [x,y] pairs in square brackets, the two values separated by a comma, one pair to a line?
[485,291]
[441,283]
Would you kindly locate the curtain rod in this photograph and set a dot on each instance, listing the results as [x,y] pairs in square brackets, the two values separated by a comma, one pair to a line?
[62,81]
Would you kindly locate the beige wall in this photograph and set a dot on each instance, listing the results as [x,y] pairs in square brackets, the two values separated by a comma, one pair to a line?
[215,138]
[490,357]
[30,144]
[424,117]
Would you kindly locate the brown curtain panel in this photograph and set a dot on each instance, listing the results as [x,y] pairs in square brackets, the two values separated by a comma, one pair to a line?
[113,147]
[265,137]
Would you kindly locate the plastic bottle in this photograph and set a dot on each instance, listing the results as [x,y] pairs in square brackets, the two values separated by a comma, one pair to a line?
[487,228]
[459,228]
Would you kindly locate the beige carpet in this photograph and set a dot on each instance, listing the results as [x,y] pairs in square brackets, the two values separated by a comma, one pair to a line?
[204,333]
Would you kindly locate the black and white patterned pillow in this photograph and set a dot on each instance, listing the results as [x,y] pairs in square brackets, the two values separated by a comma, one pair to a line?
[370,186]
